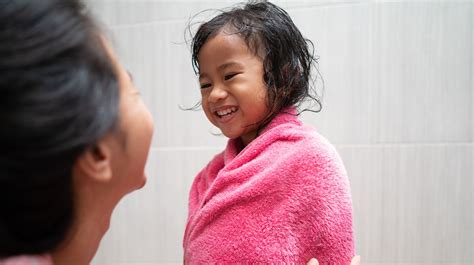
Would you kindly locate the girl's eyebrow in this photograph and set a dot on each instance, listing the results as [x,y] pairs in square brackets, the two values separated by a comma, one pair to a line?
[229,64]
[221,67]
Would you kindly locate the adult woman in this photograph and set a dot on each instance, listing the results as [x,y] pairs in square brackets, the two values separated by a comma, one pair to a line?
[74,135]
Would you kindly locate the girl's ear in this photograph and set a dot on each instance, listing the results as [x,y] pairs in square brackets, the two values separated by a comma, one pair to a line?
[95,162]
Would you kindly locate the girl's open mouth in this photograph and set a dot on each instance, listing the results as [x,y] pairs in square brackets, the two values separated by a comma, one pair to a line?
[226,112]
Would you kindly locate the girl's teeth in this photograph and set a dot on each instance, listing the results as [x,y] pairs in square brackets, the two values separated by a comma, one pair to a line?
[227,111]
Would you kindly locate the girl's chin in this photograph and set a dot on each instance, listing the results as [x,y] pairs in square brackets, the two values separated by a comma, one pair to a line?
[230,135]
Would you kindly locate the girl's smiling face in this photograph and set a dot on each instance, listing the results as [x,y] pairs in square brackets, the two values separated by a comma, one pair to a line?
[232,87]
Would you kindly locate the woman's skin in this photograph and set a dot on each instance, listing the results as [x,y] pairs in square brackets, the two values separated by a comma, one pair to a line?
[103,175]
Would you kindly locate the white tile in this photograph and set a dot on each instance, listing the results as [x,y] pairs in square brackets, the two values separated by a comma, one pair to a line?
[127,12]
[290,5]
[412,203]
[148,225]
[421,65]
[159,60]
[342,41]
[366,183]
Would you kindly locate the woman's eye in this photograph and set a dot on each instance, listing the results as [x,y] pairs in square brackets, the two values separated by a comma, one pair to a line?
[205,86]
[229,76]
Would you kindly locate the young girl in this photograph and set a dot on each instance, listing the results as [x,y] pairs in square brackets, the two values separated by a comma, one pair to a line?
[279,191]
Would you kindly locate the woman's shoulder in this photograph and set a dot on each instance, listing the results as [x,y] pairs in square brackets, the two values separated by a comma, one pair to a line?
[28,260]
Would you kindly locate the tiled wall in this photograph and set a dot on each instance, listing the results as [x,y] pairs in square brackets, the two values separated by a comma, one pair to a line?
[398,106]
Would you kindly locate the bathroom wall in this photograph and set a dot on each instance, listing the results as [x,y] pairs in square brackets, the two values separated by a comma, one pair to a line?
[398,105]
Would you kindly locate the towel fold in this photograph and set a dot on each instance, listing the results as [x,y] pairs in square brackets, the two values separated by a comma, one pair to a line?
[284,198]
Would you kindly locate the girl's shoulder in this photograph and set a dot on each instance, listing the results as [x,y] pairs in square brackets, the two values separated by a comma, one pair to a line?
[301,135]
[297,142]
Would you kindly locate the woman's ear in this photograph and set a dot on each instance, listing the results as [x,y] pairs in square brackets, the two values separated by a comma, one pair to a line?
[95,162]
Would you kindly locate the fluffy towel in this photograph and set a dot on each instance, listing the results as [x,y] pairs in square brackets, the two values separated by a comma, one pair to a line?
[284,198]
[28,260]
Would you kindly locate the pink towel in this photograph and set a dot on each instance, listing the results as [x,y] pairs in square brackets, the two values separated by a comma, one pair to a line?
[284,198]
[28,260]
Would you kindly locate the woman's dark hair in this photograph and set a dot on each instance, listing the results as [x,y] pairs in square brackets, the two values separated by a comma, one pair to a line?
[270,34]
[58,95]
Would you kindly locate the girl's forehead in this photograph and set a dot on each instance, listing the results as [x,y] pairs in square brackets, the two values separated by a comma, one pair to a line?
[230,36]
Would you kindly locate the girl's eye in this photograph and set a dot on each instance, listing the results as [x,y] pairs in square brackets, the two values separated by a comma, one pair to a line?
[205,86]
[229,76]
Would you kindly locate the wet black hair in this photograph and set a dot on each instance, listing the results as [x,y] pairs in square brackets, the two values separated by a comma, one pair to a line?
[59,95]
[288,58]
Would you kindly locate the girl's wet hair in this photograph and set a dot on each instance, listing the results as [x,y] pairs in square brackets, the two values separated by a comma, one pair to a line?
[59,95]
[287,57]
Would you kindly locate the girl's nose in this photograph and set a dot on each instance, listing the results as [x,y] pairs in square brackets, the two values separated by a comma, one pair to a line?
[217,93]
